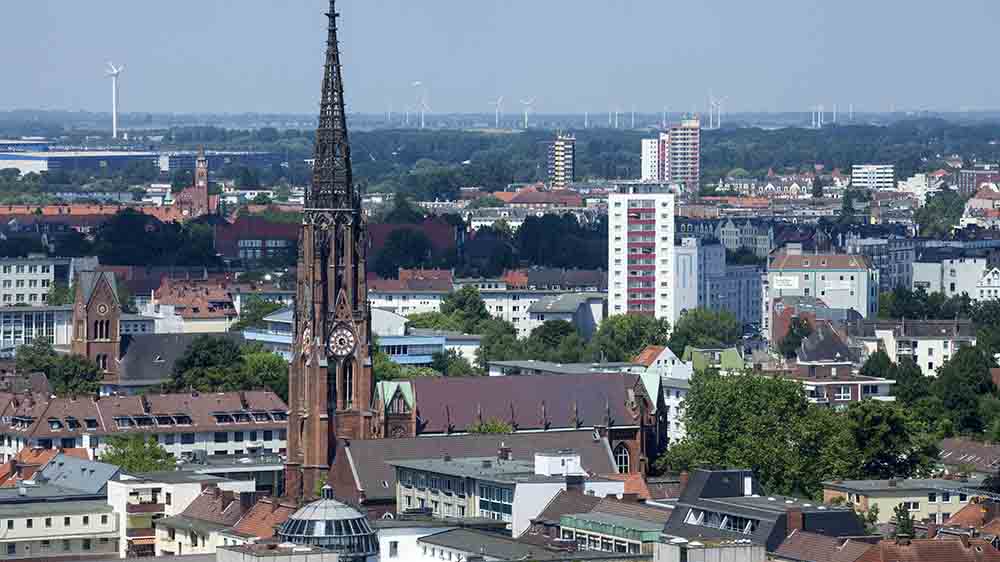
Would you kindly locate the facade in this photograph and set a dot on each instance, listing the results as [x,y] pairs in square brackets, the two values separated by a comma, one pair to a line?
[96,321]
[873,177]
[330,380]
[254,240]
[758,237]
[85,160]
[186,425]
[893,257]
[738,291]
[139,500]
[695,262]
[199,527]
[839,280]
[410,296]
[20,325]
[193,201]
[498,487]
[928,343]
[641,252]
[933,500]
[675,156]
[949,274]
[988,287]
[26,281]
[585,311]
[562,161]
[970,180]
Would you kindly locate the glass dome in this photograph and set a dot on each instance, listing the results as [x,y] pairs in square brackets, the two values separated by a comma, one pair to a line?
[330,524]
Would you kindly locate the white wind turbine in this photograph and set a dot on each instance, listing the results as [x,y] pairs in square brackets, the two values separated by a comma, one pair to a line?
[527,109]
[422,104]
[498,104]
[114,71]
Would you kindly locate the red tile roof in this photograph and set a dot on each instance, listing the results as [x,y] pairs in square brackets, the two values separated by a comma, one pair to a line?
[213,505]
[812,547]
[648,356]
[635,483]
[264,517]
[933,550]
[819,261]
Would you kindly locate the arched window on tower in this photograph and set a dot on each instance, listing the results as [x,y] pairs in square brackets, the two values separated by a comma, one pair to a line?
[622,458]
[348,384]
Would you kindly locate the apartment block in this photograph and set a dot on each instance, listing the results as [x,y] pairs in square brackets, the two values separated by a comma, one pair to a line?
[839,280]
[641,252]
[873,176]
[562,161]
[675,156]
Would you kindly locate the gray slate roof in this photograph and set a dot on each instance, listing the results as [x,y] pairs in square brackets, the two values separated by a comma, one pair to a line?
[90,477]
[148,359]
[564,303]
[89,280]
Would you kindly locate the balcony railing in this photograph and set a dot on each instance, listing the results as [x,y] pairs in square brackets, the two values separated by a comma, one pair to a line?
[144,508]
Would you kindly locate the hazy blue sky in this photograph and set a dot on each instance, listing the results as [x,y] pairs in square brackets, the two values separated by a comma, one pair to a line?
[572,55]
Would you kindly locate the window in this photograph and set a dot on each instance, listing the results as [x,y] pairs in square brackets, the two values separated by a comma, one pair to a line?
[495,502]
[946,497]
[10,524]
[104,518]
[65,521]
[86,520]
[393,549]
[29,523]
[66,545]
[48,522]
[11,548]
[932,497]
[622,458]
[843,393]
[221,437]
[168,501]
[87,543]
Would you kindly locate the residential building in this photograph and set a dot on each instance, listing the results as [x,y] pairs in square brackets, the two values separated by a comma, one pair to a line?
[807,309]
[970,180]
[186,425]
[988,287]
[839,280]
[199,528]
[675,156]
[585,311]
[931,499]
[928,343]
[26,281]
[730,505]
[756,236]
[415,292]
[724,359]
[948,271]
[498,487]
[640,254]
[398,536]
[254,239]
[803,546]
[695,262]
[204,306]
[873,177]
[562,161]
[952,549]
[963,455]
[141,499]
[362,476]
[892,256]
[738,291]
[61,513]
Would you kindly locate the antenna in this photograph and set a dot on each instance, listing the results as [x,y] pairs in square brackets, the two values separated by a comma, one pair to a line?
[527,109]
[498,104]
[114,71]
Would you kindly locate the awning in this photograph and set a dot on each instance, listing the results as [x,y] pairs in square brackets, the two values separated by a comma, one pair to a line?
[143,540]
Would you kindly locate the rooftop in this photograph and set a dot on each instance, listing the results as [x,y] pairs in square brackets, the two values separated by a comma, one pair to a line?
[903,485]
[563,303]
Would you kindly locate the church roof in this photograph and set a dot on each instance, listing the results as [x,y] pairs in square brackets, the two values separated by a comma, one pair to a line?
[89,281]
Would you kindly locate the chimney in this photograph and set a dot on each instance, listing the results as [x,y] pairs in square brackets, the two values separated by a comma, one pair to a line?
[574,483]
[932,530]
[794,519]
[228,496]
[247,499]
[504,453]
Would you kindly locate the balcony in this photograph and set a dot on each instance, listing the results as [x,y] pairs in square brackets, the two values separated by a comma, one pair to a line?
[131,534]
[144,508]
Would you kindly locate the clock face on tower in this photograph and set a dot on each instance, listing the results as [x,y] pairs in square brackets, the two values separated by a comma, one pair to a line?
[342,341]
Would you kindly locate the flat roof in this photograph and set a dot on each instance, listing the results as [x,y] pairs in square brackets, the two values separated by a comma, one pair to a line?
[565,368]
[903,485]
[37,155]
[173,477]
[472,467]
[65,507]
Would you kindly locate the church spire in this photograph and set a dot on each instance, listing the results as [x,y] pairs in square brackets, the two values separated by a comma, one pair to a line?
[332,186]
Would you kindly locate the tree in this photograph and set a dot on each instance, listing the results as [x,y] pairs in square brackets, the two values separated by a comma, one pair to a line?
[486,201]
[59,294]
[69,375]
[798,330]
[623,336]
[960,383]
[264,369]
[404,212]
[450,363]
[884,442]
[911,384]
[878,365]
[904,522]
[404,248]
[253,312]
[466,306]
[136,454]
[262,199]
[817,188]
[700,327]
[491,425]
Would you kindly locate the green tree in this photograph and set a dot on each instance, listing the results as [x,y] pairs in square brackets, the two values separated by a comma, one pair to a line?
[798,330]
[623,336]
[253,312]
[450,363]
[404,212]
[59,294]
[69,375]
[904,522]
[434,321]
[137,454]
[492,425]
[262,199]
[467,307]
[385,369]
[404,248]
[700,327]
[884,442]
[878,364]
[911,384]
[960,383]
[264,369]
[486,201]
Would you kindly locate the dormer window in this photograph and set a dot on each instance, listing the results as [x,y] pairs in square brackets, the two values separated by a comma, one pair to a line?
[124,422]
[157,358]
[164,420]
[72,423]
[261,417]
[182,419]
[91,423]
[55,425]
[279,416]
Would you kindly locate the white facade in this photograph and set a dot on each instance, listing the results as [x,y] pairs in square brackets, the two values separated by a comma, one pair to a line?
[928,352]
[511,305]
[873,176]
[651,160]
[839,280]
[406,302]
[988,287]
[953,277]
[695,264]
[21,325]
[641,253]
[25,281]
[68,529]
[674,393]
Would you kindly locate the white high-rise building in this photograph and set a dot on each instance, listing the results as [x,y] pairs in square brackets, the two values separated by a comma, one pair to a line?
[674,156]
[641,251]
[873,176]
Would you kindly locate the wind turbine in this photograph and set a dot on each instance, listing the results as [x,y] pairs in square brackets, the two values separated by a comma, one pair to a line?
[527,109]
[499,109]
[114,71]
[422,104]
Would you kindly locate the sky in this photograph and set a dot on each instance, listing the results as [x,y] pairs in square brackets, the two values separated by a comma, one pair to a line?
[571,56]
